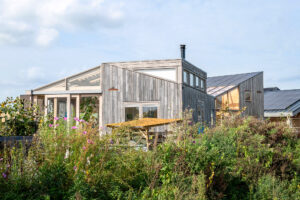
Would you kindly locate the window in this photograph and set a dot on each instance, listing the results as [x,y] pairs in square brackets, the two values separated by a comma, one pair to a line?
[131,113]
[197,82]
[192,80]
[248,96]
[50,108]
[202,84]
[185,76]
[150,112]
[230,100]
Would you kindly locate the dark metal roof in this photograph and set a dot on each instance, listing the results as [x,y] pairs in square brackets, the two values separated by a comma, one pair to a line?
[281,99]
[217,85]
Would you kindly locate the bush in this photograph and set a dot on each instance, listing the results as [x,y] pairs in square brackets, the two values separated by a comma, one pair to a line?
[242,158]
[16,119]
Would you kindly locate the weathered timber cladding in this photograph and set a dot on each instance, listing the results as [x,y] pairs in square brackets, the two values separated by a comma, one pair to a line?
[136,87]
[256,106]
[193,98]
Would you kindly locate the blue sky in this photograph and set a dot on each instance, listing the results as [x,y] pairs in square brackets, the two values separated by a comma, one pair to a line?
[45,40]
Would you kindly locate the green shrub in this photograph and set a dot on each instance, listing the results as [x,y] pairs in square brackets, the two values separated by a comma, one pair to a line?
[17,119]
[242,158]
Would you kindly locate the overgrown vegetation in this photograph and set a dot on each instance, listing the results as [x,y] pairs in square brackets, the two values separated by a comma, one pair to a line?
[242,158]
[18,119]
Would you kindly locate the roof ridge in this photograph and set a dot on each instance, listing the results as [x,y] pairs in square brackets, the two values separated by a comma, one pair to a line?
[257,72]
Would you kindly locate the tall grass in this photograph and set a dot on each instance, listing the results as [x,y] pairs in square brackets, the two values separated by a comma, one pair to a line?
[242,158]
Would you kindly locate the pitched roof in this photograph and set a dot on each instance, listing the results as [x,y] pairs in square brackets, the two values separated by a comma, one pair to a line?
[217,85]
[281,99]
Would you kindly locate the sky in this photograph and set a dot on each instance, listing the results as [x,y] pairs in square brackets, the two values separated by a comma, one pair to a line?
[42,41]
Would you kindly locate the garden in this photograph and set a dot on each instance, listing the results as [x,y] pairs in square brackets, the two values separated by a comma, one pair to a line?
[241,158]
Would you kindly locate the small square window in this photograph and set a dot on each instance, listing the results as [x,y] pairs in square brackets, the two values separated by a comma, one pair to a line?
[192,80]
[248,97]
[131,113]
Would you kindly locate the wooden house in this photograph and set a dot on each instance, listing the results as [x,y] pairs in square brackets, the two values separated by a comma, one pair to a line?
[238,92]
[283,104]
[122,91]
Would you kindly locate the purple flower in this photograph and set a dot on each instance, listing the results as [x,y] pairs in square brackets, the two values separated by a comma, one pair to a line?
[1,159]
[4,175]
[194,142]
[8,165]
[50,125]
[190,123]
[84,132]
[111,141]
[82,120]
[84,148]
[76,119]
[74,168]
[65,118]
[74,127]
[90,141]
[56,118]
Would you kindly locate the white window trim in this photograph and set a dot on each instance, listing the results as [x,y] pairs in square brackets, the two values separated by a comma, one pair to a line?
[140,105]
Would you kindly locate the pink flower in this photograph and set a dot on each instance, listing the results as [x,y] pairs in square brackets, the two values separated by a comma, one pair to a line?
[74,127]
[56,118]
[4,175]
[90,141]
[1,159]
[81,120]
[8,165]
[84,148]
[56,125]
[65,118]
[74,168]
[76,118]
[50,125]
[84,132]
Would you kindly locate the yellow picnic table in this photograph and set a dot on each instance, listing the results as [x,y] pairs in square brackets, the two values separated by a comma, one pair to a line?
[144,124]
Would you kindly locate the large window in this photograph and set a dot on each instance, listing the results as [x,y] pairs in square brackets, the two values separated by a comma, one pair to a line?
[185,77]
[50,107]
[131,113]
[230,100]
[140,110]
[150,112]
[192,80]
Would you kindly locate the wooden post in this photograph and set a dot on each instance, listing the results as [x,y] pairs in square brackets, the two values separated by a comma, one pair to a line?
[55,107]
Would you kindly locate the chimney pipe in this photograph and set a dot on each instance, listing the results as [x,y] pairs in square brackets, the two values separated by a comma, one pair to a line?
[182,50]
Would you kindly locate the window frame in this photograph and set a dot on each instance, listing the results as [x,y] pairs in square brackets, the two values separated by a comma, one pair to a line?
[141,105]
[185,78]
[192,80]
[250,95]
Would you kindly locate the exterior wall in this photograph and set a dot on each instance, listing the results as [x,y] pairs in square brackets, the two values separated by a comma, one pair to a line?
[195,98]
[256,86]
[121,86]
[153,65]
[192,99]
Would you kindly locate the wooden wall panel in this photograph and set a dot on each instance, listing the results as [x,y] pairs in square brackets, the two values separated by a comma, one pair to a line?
[136,87]
[256,86]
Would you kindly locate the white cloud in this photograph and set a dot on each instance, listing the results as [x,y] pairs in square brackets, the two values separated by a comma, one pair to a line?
[46,36]
[41,21]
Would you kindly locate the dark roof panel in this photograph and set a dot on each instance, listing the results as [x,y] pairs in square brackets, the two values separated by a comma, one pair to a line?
[281,99]
[219,84]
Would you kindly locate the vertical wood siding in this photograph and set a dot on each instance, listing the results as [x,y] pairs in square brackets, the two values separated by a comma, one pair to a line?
[256,86]
[136,87]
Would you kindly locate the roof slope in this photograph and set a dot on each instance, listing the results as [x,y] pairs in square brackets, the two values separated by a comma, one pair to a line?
[281,99]
[217,85]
